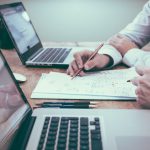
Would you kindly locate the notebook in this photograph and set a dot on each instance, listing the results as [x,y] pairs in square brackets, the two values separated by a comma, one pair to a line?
[103,85]
[28,44]
[65,129]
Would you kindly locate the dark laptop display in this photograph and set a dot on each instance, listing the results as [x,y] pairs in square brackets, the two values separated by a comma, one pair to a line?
[26,41]
[20,27]
[12,104]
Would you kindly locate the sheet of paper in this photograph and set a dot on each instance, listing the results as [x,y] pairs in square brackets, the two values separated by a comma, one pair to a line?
[112,83]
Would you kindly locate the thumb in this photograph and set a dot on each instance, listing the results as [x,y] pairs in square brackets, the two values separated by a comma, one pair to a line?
[89,65]
[140,70]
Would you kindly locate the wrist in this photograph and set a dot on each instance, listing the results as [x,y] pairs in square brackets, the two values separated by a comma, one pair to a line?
[110,52]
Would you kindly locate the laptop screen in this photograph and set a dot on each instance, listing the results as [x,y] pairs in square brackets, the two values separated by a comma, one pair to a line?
[12,105]
[20,27]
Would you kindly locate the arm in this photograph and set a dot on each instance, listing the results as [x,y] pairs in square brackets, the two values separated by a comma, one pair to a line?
[133,37]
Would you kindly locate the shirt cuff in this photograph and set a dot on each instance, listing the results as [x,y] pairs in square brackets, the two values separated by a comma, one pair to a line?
[136,57]
[112,52]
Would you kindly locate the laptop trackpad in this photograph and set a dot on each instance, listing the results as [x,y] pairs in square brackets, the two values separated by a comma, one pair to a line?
[133,142]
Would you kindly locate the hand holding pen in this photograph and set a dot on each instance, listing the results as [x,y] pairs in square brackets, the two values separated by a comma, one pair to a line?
[87,60]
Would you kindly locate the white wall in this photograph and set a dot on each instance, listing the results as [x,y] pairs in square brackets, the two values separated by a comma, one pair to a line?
[80,20]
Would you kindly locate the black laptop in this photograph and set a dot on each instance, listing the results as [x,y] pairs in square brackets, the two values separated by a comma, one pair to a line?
[27,43]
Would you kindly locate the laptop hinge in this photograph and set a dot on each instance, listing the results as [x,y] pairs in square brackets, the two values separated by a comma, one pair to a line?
[35,54]
[23,134]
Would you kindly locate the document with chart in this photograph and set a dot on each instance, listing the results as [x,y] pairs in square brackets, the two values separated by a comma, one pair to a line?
[111,84]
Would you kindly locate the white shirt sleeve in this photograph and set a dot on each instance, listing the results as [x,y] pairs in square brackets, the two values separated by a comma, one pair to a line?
[135,57]
[112,52]
[139,30]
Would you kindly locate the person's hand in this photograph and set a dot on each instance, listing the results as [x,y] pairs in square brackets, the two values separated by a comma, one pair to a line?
[143,86]
[80,58]
[122,43]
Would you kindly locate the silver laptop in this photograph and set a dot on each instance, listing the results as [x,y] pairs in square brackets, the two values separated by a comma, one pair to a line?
[66,129]
[27,43]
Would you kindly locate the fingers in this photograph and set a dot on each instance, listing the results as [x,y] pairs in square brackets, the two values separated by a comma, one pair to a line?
[78,62]
[143,72]
[89,65]
[140,70]
[142,91]
[73,68]
[140,98]
[143,102]
[96,63]
[78,59]
[135,81]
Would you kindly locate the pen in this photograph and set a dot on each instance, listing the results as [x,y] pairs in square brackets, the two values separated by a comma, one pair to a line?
[66,106]
[67,103]
[93,55]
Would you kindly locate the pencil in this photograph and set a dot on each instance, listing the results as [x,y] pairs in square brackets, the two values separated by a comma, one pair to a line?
[93,55]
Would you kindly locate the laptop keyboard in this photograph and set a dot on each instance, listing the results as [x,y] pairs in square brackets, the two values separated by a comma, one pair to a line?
[70,133]
[54,55]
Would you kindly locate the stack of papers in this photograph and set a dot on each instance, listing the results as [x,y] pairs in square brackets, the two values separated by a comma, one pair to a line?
[102,85]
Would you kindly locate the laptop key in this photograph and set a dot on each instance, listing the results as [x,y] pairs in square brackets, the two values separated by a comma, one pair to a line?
[84,147]
[61,146]
[84,121]
[62,140]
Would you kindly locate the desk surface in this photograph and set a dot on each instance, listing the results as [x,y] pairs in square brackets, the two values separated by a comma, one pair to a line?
[33,75]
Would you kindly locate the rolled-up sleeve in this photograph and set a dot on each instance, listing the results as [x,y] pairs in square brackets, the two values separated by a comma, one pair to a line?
[112,52]
[139,30]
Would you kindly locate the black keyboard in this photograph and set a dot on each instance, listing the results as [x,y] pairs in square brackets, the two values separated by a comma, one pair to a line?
[53,55]
[71,133]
